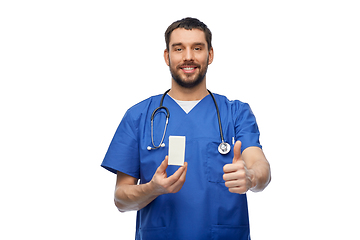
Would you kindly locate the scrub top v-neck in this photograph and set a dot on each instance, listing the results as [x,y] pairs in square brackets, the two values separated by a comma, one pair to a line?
[187,106]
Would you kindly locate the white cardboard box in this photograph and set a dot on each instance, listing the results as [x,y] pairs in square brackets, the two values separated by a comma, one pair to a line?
[176,150]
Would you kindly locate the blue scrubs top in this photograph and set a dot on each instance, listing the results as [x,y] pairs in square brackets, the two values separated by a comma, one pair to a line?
[203,208]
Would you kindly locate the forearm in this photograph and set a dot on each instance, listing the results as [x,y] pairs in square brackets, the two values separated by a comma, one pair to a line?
[130,196]
[134,197]
[261,175]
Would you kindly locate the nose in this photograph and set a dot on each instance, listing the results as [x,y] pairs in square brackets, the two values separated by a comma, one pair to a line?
[188,55]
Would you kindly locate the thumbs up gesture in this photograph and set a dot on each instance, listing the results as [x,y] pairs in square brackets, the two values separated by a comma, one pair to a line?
[236,175]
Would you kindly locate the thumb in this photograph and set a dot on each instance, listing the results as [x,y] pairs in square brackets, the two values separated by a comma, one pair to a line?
[237,152]
[163,165]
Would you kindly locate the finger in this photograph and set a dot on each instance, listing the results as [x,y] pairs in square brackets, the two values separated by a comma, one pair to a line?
[239,190]
[237,151]
[232,184]
[175,177]
[234,176]
[177,185]
[232,167]
[183,175]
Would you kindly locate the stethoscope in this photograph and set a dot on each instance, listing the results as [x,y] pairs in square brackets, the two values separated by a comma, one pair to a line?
[224,147]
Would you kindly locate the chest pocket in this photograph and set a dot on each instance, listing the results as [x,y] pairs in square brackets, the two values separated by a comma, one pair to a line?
[216,161]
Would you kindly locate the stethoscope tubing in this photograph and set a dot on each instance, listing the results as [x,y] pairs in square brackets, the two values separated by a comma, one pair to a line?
[218,116]
[223,148]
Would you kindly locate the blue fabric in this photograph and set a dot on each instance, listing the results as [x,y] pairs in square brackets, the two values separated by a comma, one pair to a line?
[203,208]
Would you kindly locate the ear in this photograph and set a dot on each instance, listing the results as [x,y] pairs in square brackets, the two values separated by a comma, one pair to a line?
[166,57]
[211,56]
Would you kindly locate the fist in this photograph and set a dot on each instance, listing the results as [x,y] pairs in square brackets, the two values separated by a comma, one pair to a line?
[236,175]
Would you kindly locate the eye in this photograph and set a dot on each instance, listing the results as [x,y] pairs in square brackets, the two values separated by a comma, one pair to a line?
[178,49]
[197,48]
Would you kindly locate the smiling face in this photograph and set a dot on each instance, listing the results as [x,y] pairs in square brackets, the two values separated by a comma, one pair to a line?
[188,57]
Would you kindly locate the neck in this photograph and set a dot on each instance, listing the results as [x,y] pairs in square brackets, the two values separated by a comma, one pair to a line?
[188,94]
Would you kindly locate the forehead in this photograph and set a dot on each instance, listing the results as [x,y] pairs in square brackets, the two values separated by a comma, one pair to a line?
[187,37]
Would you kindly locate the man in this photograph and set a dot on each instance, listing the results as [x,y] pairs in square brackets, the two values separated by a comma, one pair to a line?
[205,198]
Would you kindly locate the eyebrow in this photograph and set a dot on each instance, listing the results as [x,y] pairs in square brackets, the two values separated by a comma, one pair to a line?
[194,44]
[176,44]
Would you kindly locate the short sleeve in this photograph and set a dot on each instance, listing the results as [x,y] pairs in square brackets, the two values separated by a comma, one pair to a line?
[246,128]
[123,152]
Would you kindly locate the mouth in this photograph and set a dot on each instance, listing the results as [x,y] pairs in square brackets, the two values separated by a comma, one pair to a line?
[188,69]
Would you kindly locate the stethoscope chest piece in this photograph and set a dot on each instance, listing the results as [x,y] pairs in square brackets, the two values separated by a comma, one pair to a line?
[224,148]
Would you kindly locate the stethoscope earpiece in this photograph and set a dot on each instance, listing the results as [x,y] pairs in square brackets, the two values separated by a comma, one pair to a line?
[161,145]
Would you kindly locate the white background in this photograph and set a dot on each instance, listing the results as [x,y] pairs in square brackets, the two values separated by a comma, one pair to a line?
[70,69]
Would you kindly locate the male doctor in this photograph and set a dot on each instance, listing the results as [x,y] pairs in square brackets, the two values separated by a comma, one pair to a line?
[205,198]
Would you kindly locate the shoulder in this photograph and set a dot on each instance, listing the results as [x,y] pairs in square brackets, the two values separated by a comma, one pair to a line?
[234,105]
[238,110]
[142,107]
[145,103]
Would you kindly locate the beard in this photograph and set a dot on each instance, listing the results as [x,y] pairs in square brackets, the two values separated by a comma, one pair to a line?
[185,82]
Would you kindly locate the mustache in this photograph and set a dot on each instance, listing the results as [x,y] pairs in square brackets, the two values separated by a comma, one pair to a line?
[188,63]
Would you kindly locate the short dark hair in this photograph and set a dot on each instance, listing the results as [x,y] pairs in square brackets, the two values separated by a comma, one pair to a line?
[188,23]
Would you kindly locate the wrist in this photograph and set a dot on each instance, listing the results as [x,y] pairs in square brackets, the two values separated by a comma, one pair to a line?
[152,189]
[252,179]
